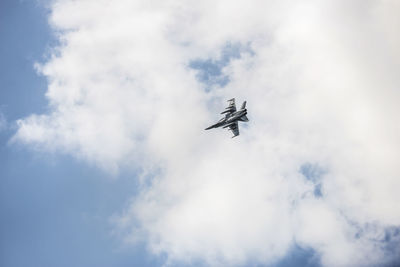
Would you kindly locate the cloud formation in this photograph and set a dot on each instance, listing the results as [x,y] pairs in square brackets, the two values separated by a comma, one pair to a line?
[321,82]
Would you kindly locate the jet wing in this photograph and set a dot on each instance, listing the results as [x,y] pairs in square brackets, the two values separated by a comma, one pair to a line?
[231,107]
[232,104]
[234,128]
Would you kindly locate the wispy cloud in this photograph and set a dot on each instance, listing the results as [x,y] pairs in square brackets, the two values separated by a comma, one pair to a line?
[3,122]
[321,83]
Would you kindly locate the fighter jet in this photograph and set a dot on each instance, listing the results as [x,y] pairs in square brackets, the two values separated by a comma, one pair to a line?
[232,117]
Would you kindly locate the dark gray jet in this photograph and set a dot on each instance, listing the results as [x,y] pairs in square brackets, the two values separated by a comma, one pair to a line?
[232,117]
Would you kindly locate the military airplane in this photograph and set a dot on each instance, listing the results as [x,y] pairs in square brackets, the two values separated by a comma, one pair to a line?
[232,117]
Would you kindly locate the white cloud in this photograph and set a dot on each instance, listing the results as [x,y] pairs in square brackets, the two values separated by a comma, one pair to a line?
[321,87]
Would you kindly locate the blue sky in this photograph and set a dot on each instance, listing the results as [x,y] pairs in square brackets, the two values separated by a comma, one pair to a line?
[102,177]
[54,210]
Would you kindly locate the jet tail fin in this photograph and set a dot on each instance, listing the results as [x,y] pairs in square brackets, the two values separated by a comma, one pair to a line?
[243,105]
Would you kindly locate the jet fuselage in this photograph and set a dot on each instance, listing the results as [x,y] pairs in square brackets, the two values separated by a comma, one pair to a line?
[230,119]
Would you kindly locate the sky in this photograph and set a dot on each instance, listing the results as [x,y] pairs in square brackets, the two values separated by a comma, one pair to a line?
[104,157]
